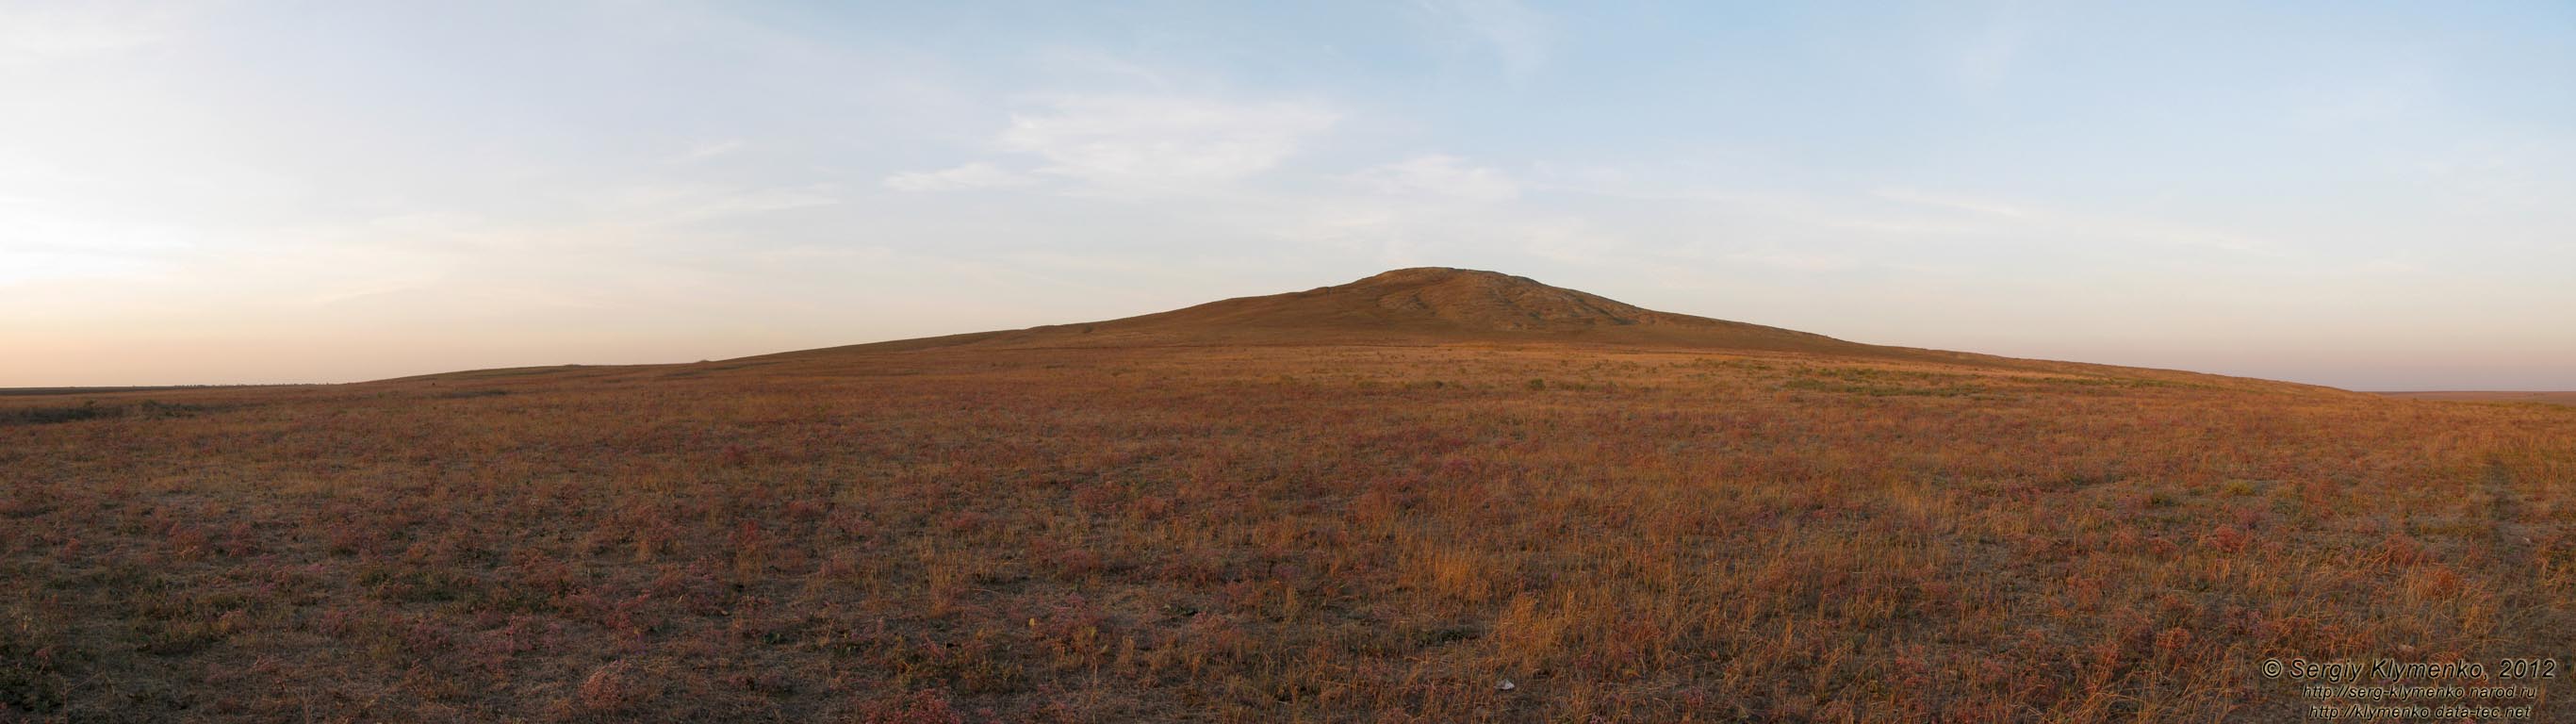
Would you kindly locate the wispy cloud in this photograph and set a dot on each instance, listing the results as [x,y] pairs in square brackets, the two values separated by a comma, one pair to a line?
[39,31]
[708,150]
[1440,176]
[1981,207]
[1573,242]
[1795,261]
[651,205]
[1148,142]
[2000,219]
[962,178]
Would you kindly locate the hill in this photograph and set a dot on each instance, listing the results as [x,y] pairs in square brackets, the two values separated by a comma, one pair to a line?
[1378,501]
[1424,305]
[1428,306]
[2552,398]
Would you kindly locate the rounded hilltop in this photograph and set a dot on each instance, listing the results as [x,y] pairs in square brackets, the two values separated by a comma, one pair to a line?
[1410,306]
[1430,306]
[1436,274]
[1485,300]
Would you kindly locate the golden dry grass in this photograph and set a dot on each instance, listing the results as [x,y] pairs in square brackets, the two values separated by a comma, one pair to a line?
[2553,398]
[1321,533]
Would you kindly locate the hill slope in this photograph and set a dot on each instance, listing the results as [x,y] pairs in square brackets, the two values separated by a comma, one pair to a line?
[1219,533]
[1368,502]
[1443,306]
[1416,307]
[1409,306]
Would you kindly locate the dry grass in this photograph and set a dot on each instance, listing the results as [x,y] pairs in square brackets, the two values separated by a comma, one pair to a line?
[1263,534]
[2553,398]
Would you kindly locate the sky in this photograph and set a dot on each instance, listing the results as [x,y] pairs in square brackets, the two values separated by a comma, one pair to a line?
[2369,195]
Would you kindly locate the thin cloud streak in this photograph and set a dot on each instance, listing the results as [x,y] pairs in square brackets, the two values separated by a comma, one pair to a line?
[1162,143]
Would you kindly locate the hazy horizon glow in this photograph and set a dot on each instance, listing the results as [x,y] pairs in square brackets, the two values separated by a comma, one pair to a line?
[2366,195]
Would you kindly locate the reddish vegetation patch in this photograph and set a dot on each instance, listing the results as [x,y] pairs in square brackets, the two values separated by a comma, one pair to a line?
[1265,534]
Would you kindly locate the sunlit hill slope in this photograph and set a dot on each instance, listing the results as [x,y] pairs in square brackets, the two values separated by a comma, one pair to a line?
[1372,502]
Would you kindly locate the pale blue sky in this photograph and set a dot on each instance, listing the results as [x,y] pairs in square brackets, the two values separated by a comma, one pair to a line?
[2367,195]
